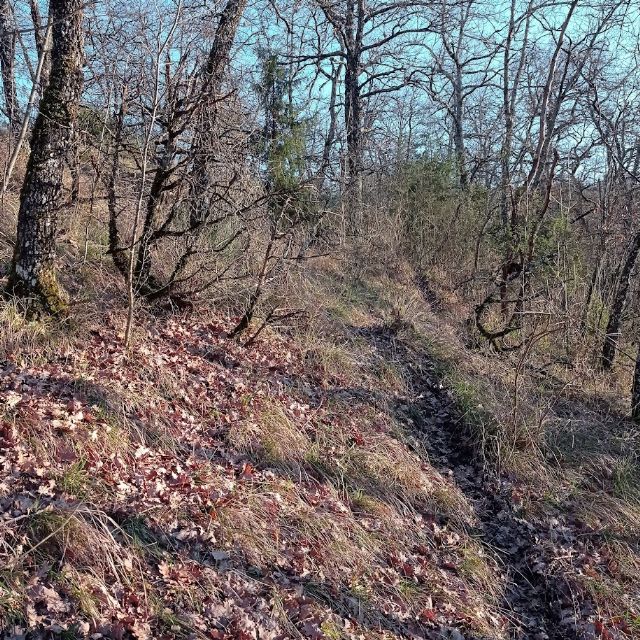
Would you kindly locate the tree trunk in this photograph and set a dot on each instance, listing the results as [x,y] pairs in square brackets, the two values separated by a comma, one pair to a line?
[202,175]
[353,127]
[117,251]
[619,303]
[33,268]
[354,32]
[213,75]
[7,64]
[593,281]
[458,129]
[635,393]
[41,41]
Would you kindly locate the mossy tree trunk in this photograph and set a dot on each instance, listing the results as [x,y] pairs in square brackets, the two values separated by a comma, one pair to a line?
[33,272]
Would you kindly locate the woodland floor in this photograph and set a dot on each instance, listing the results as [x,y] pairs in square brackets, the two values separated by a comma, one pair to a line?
[317,484]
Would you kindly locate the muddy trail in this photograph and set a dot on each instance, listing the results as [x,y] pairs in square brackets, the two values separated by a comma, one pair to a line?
[537,604]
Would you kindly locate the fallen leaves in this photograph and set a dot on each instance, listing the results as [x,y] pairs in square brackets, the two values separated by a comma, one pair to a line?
[184,510]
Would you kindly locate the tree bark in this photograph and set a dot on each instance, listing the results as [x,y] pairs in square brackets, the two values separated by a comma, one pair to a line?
[40,40]
[353,30]
[619,303]
[7,64]
[117,251]
[458,128]
[635,392]
[33,272]
[213,76]
[353,126]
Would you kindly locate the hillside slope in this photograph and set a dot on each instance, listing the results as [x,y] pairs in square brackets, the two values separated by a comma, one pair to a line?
[326,481]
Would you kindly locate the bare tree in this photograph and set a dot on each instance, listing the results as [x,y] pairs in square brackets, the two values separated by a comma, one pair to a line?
[33,273]
[553,99]
[461,57]
[372,44]
[213,75]
[187,206]
[621,141]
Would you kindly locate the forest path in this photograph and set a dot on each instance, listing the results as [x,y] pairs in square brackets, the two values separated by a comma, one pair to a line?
[536,603]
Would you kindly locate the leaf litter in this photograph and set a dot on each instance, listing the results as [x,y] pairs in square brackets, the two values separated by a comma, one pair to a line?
[195,488]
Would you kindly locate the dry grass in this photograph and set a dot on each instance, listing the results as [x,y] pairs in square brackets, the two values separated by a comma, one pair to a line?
[31,342]
[75,547]
[271,436]
[261,522]
[95,542]
[330,358]
[587,461]
[372,478]
[341,501]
